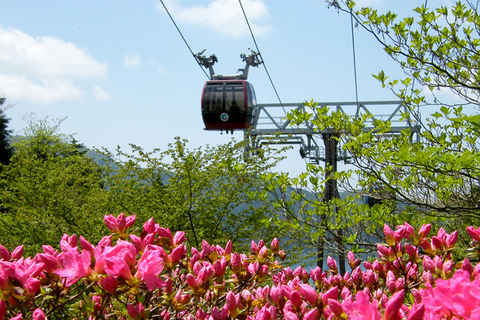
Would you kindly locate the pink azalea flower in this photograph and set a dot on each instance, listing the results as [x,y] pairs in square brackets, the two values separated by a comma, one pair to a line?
[136,312]
[149,268]
[361,308]
[117,261]
[458,296]
[68,242]
[75,265]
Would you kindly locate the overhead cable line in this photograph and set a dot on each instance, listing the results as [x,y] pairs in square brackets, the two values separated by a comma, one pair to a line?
[259,52]
[266,70]
[184,40]
[354,59]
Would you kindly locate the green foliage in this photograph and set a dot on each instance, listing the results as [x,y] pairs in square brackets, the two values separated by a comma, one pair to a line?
[51,187]
[434,179]
[203,191]
[48,189]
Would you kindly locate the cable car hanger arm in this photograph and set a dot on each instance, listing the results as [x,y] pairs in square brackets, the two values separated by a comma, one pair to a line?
[250,60]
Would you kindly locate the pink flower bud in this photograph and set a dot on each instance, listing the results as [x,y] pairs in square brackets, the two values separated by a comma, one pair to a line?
[309,293]
[149,226]
[50,263]
[331,293]
[263,270]
[424,230]
[3,309]
[417,312]
[192,282]
[137,312]
[97,303]
[109,284]
[336,307]
[448,266]
[163,233]
[229,247]
[32,286]
[236,263]
[467,266]
[332,264]
[274,245]
[451,239]
[232,302]
[316,274]
[137,242]
[177,254]
[392,308]
[179,238]
[4,254]
[389,236]
[474,233]
[254,247]
[277,294]
[115,225]
[38,314]
[263,252]
[310,315]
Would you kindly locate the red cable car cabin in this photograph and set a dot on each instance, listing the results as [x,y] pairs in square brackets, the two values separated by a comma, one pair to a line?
[228,105]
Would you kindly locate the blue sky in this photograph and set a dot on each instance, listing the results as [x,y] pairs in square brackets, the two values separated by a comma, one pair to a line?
[120,72]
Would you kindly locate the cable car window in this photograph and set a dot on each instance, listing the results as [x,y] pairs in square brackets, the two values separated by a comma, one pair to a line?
[254,98]
[213,97]
[234,97]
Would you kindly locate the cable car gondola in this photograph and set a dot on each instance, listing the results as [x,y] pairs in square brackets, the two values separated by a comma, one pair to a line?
[228,101]
[228,105]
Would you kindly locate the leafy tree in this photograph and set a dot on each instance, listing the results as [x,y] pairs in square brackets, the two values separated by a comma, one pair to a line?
[434,179]
[5,148]
[203,191]
[48,189]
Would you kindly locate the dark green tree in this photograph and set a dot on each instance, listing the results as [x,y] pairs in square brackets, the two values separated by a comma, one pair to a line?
[5,148]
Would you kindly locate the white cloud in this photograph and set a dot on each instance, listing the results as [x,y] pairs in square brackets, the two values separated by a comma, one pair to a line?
[16,87]
[132,61]
[100,94]
[223,16]
[43,69]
